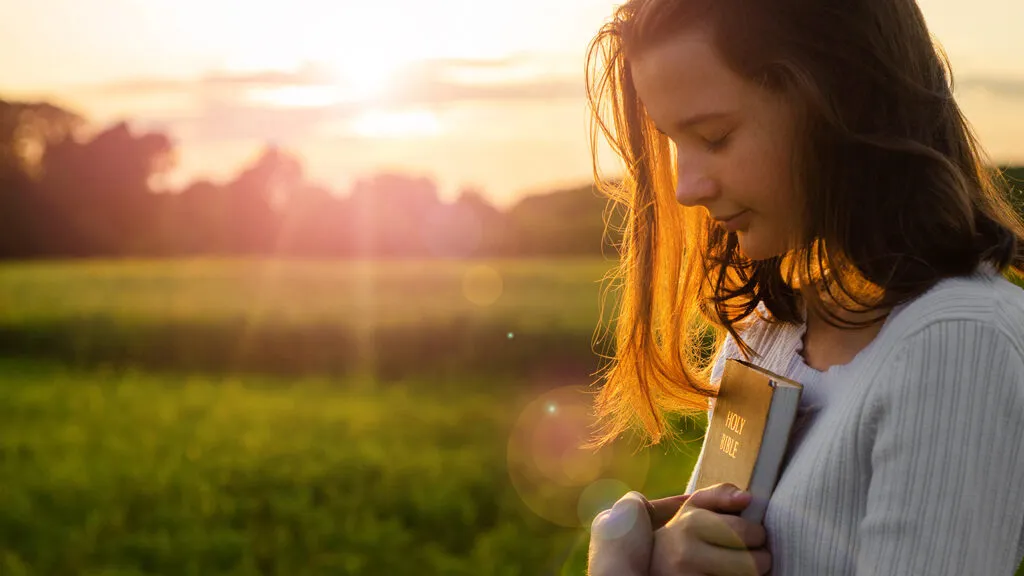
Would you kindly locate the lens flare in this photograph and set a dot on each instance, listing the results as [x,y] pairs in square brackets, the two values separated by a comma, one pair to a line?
[601,495]
[482,285]
[554,476]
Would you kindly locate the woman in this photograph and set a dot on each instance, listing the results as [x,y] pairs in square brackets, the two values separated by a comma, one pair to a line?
[803,191]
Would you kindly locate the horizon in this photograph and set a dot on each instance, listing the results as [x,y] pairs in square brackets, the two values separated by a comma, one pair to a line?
[496,105]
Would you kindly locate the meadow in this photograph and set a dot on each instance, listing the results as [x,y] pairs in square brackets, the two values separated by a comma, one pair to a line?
[393,319]
[205,417]
[254,417]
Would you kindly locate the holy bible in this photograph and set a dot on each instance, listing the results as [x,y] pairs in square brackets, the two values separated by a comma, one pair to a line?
[748,433]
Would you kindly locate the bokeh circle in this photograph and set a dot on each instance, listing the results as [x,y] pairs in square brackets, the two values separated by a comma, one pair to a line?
[556,478]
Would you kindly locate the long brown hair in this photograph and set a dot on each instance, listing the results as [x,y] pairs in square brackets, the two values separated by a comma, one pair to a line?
[896,191]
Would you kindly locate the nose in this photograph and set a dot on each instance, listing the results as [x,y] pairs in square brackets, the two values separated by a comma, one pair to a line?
[694,186]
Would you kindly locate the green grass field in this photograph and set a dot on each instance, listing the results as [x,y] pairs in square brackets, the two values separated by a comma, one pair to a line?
[390,320]
[256,417]
[532,293]
[205,417]
[109,472]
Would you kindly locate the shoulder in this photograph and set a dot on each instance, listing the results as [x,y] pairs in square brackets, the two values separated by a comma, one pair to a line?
[965,333]
[985,301]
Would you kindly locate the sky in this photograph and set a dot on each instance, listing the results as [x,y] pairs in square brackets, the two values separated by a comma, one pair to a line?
[473,93]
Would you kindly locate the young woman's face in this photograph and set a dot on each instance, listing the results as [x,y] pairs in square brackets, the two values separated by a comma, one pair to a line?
[733,140]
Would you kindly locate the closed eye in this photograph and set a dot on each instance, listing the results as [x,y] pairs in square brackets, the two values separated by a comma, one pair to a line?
[716,145]
[711,145]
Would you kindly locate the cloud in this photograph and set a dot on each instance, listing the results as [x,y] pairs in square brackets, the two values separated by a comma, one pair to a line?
[306,76]
[1008,87]
[225,107]
[442,93]
[426,82]
[525,77]
[222,121]
[434,85]
[485,63]
[221,106]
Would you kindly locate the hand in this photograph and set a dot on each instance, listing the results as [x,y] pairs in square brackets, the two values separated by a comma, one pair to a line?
[621,539]
[705,537]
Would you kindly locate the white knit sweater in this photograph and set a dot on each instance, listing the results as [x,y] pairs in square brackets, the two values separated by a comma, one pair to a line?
[909,460]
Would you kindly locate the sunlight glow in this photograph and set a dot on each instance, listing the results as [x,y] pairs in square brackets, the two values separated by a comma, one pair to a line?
[396,124]
[296,96]
[366,61]
[368,80]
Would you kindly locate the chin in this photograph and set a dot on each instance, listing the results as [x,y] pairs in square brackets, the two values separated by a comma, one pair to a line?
[755,249]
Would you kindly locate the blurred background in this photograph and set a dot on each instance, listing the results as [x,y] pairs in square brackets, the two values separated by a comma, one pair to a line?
[312,287]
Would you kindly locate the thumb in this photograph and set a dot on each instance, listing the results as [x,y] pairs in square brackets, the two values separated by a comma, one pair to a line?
[724,498]
[621,538]
[628,514]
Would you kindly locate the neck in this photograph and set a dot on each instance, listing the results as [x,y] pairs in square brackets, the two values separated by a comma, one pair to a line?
[815,317]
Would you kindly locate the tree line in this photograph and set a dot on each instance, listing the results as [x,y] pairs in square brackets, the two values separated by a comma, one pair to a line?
[66,195]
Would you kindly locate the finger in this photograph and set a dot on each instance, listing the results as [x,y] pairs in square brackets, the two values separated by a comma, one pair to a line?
[724,498]
[728,562]
[762,560]
[663,509]
[723,530]
[621,538]
[628,515]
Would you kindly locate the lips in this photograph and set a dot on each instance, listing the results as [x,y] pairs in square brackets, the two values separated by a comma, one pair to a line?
[730,217]
[736,222]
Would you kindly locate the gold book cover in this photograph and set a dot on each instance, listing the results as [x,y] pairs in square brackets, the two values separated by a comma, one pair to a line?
[748,432]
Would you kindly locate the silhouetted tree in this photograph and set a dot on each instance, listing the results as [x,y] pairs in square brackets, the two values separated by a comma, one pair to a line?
[250,209]
[64,195]
[468,227]
[192,222]
[27,129]
[386,213]
[101,190]
[561,223]
[312,223]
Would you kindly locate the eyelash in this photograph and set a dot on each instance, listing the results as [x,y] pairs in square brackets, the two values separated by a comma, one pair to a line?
[717,145]
[710,146]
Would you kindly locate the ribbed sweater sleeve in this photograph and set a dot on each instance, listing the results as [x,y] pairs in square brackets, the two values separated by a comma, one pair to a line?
[945,423]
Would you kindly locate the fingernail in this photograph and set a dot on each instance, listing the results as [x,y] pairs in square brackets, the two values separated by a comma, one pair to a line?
[740,495]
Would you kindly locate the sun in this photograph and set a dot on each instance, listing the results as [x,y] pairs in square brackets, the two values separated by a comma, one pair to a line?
[369,77]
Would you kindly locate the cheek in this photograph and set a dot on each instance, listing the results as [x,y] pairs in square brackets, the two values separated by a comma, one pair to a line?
[765,162]
[775,172]
[760,171]
[760,185]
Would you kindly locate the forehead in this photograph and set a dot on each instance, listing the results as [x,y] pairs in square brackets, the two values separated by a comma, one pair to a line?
[685,74]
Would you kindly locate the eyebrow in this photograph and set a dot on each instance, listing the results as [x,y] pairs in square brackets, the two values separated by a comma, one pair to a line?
[692,121]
